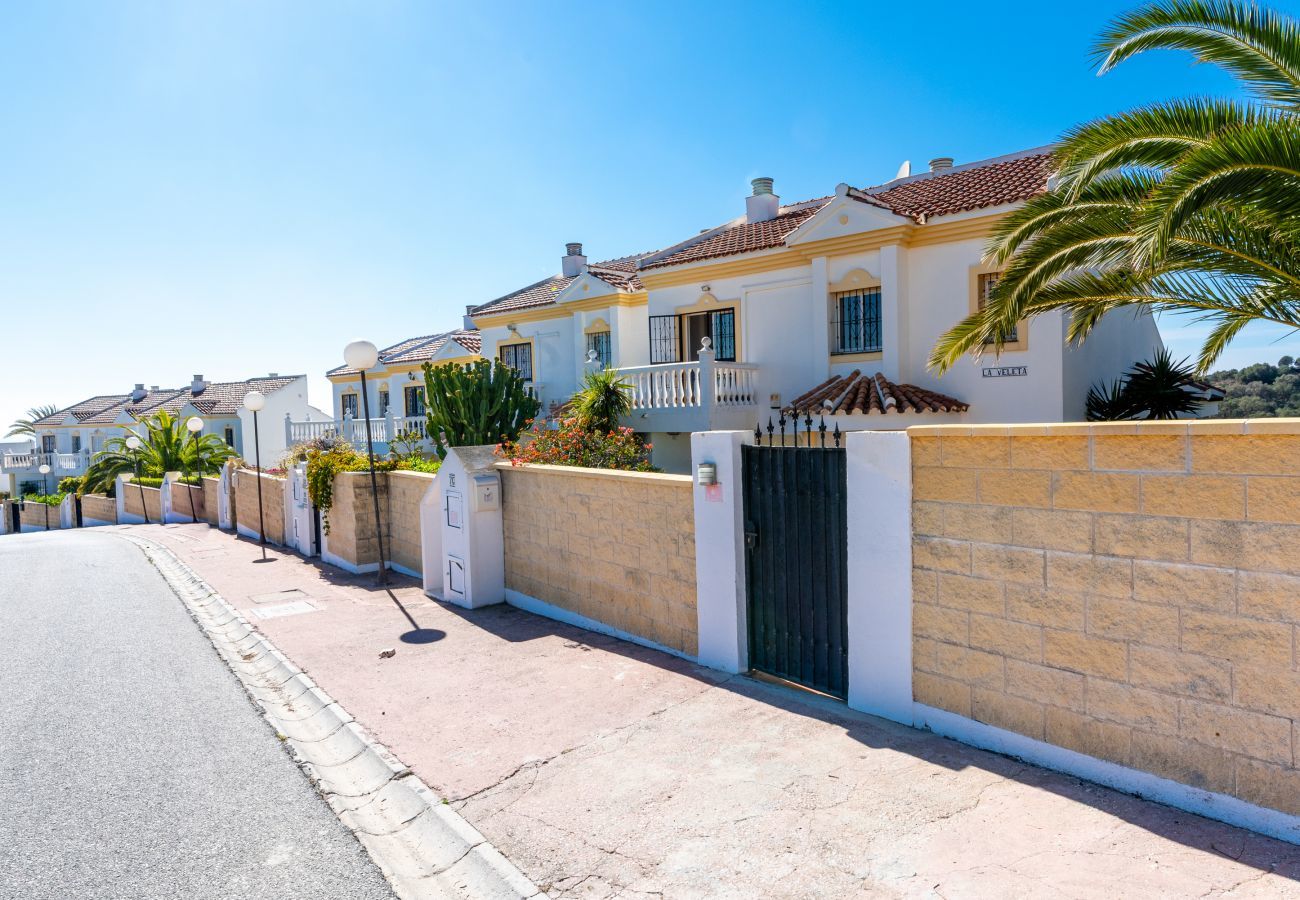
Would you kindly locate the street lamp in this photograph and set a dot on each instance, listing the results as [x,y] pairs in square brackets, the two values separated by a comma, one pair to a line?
[254,401]
[195,425]
[362,355]
[133,443]
[45,492]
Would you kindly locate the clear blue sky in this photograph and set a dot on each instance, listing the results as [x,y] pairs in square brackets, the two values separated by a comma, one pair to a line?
[239,187]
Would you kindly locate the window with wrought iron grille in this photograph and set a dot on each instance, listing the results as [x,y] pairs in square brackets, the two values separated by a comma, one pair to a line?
[349,402]
[857,326]
[383,403]
[678,338]
[986,282]
[414,397]
[47,443]
[599,341]
[518,357]
[229,436]
[76,443]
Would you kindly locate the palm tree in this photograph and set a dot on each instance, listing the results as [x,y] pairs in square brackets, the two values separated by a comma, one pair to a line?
[604,398]
[34,415]
[165,447]
[1155,389]
[1188,206]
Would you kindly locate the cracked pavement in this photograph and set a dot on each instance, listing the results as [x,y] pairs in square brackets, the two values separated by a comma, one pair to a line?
[603,769]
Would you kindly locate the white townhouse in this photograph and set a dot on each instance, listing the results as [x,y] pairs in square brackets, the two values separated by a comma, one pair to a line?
[395,390]
[829,305]
[67,440]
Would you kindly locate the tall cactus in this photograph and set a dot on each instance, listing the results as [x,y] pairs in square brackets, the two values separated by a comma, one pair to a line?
[484,402]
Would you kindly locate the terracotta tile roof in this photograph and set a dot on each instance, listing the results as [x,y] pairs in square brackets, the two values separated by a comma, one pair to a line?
[218,399]
[85,409]
[966,188]
[744,237]
[620,273]
[871,395]
[1009,179]
[418,349]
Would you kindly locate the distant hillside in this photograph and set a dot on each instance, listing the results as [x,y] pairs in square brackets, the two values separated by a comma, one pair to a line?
[1260,391]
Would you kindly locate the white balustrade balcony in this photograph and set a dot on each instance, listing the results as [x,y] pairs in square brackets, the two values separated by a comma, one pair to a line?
[690,395]
[382,431]
[61,464]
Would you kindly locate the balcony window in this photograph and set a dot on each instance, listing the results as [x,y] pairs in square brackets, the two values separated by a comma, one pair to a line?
[678,338]
[76,443]
[349,402]
[599,341]
[518,357]
[857,325]
[383,403]
[47,443]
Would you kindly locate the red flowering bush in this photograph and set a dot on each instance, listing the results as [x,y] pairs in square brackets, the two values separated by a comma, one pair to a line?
[573,445]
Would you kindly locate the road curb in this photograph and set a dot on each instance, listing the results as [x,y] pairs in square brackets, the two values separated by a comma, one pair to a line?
[424,848]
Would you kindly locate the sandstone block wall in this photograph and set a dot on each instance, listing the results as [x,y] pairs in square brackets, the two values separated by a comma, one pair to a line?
[97,506]
[272,503]
[617,547]
[1129,591]
[138,499]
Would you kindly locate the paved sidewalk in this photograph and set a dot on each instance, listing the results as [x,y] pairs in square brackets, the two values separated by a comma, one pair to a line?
[604,769]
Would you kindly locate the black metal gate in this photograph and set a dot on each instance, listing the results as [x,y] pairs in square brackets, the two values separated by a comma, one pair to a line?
[16,517]
[76,505]
[796,571]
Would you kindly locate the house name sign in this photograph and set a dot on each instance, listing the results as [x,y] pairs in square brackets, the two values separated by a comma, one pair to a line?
[1006,371]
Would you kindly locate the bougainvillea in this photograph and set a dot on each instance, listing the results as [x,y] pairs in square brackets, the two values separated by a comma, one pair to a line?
[573,445]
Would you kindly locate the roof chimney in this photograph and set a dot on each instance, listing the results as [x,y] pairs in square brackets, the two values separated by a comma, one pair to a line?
[138,394]
[274,375]
[762,204]
[198,385]
[940,163]
[468,322]
[574,262]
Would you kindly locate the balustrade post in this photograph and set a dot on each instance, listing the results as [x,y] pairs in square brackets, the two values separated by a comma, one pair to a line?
[707,388]
[288,430]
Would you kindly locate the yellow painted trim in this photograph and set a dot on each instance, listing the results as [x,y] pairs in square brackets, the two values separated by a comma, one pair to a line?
[963,230]
[854,280]
[856,243]
[560,310]
[513,341]
[597,326]
[702,273]
[1022,327]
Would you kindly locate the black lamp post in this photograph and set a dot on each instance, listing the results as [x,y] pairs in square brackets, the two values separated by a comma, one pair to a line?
[362,355]
[195,425]
[45,492]
[254,401]
[133,443]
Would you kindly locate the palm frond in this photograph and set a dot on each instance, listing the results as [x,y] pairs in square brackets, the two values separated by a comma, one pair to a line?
[1255,44]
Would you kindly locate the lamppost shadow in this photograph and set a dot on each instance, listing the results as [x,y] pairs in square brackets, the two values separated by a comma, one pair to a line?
[416,635]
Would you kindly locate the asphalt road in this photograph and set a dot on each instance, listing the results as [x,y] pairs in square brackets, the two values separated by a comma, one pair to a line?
[132,764]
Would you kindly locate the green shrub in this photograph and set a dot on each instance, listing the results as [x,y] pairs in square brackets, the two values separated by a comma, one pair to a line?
[324,465]
[573,445]
[485,402]
[46,499]
[70,485]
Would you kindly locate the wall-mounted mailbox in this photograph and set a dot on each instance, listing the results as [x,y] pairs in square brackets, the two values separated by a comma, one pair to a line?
[487,492]
[455,509]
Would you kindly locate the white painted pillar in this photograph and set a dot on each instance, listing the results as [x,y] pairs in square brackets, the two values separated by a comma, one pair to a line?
[720,552]
[431,525]
[124,517]
[821,331]
[879,475]
[68,512]
[896,364]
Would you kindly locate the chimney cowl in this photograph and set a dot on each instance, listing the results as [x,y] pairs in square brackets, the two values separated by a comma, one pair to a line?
[940,163]
[139,393]
[573,262]
[762,205]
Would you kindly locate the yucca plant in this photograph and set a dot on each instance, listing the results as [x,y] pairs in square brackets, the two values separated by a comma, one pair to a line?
[1155,389]
[484,402]
[1186,207]
[604,398]
[165,447]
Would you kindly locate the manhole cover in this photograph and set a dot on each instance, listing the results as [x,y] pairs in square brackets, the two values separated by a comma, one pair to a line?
[279,596]
[284,609]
